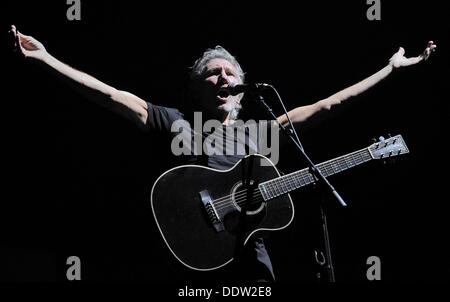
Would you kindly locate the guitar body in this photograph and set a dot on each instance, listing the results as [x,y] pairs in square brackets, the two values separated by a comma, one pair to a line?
[178,203]
[206,216]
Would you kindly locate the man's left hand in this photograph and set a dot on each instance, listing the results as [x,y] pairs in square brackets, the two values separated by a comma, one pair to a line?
[399,60]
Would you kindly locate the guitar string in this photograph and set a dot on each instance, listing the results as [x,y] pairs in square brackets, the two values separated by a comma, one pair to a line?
[290,181]
[257,198]
[240,200]
[242,193]
[240,196]
[328,168]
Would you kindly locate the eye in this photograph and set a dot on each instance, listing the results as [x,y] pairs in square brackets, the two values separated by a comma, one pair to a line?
[212,72]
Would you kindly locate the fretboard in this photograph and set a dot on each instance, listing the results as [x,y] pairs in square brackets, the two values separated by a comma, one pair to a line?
[287,183]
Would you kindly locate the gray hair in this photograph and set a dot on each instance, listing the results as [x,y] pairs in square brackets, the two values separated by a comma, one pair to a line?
[213,53]
[199,68]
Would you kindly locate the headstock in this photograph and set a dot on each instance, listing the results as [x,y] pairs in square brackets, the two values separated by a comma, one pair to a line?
[388,147]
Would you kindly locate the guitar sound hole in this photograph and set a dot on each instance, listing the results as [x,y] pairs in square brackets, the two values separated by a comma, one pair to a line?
[239,199]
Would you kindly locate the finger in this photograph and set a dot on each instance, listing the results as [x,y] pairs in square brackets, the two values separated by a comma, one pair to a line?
[17,36]
[23,39]
[430,43]
[401,51]
[23,36]
[19,43]
[428,51]
[13,31]
[12,37]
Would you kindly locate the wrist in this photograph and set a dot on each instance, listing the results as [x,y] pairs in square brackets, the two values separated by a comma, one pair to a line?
[392,65]
[389,68]
[45,57]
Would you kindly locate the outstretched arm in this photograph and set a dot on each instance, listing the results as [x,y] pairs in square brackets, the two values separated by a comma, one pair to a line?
[301,114]
[121,102]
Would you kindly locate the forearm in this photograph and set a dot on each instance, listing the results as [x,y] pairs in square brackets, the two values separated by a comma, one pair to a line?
[121,102]
[355,89]
[301,114]
[86,84]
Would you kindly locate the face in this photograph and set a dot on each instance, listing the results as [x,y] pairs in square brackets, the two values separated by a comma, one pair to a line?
[219,73]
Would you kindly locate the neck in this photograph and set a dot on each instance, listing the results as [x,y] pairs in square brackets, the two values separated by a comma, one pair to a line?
[227,121]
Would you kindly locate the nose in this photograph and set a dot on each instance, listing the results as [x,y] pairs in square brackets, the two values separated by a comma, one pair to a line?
[223,78]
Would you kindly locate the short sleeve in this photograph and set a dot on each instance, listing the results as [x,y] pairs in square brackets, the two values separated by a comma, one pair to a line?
[161,118]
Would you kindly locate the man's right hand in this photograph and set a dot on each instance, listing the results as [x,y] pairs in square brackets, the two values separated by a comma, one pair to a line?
[28,46]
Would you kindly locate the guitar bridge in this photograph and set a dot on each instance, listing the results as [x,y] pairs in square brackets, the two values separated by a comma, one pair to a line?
[211,211]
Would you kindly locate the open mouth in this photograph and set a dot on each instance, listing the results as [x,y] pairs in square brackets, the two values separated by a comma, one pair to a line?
[223,93]
[221,99]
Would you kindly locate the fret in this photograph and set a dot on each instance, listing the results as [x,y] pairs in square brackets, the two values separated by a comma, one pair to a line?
[332,168]
[270,188]
[325,169]
[298,180]
[287,183]
[340,165]
[344,165]
[337,165]
[303,175]
[291,183]
[308,178]
[351,162]
[275,188]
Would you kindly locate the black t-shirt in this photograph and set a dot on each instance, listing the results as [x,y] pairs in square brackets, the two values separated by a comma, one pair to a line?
[222,151]
[213,145]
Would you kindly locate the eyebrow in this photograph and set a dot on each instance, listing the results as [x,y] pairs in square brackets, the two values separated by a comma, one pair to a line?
[227,69]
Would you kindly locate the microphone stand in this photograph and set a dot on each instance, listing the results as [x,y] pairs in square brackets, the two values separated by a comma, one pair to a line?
[318,177]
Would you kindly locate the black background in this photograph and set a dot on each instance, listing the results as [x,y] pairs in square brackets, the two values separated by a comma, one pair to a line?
[76,179]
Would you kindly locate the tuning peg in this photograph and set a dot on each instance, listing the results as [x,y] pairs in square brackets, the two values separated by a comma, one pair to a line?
[381,138]
[389,135]
[374,140]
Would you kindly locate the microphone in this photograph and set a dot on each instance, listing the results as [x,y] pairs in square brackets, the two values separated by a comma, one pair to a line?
[240,88]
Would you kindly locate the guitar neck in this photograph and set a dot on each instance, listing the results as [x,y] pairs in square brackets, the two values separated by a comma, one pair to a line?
[290,182]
